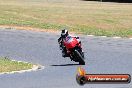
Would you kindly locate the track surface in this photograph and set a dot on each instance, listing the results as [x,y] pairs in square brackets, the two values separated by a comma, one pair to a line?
[103,55]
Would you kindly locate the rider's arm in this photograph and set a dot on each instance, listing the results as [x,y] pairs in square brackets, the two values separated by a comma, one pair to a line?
[59,40]
[60,43]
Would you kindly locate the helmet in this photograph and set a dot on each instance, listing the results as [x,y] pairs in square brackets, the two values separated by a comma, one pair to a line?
[64,33]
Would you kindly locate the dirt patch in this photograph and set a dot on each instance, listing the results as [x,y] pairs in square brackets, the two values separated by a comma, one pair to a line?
[36,29]
[29,28]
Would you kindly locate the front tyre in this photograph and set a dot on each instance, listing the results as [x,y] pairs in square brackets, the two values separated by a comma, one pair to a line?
[80,58]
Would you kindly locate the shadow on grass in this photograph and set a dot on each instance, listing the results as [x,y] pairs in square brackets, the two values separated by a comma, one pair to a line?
[65,65]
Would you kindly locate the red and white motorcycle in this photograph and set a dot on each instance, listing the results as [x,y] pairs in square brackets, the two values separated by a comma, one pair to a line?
[74,49]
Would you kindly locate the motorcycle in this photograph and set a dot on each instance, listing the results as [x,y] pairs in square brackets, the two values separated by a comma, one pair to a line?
[74,49]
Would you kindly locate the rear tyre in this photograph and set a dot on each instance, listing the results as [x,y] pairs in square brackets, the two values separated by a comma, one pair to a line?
[80,58]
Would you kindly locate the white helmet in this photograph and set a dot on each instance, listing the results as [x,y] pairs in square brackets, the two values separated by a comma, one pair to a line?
[64,33]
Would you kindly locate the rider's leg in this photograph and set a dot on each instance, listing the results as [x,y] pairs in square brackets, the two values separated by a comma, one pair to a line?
[64,53]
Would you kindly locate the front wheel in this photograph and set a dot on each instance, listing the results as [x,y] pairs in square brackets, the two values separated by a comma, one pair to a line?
[80,58]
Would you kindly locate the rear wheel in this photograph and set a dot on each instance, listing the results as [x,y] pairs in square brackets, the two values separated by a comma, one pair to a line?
[80,58]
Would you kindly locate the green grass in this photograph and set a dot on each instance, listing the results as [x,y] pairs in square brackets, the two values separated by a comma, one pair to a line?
[7,65]
[97,18]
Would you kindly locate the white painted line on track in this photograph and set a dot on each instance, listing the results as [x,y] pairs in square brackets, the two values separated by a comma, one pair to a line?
[103,36]
[90,35]
[116,37]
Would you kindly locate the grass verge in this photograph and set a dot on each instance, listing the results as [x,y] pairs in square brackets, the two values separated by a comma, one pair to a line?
[96,18]
[7,65]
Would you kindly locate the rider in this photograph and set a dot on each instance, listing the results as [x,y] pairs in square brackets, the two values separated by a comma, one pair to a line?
[64,34]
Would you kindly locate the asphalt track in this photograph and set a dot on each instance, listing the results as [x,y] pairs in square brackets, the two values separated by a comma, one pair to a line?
[103,55]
